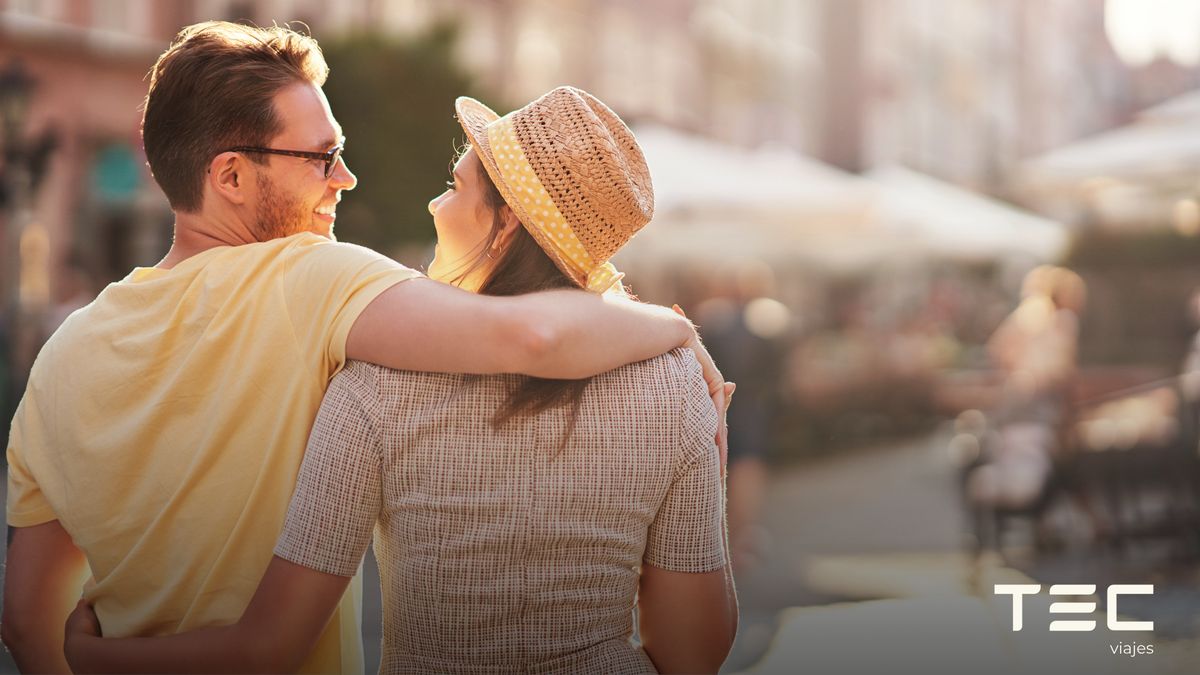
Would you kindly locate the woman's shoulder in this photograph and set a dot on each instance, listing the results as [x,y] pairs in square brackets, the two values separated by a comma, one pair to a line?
[676,366]
[671,379]
[388,384]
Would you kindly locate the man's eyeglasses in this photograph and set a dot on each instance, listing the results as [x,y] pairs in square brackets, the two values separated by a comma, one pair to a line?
[330,157]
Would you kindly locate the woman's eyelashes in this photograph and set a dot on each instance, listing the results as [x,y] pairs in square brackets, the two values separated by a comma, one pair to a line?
[449,185]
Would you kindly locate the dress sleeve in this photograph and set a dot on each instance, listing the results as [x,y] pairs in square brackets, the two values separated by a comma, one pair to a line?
[338,495]
[687,534]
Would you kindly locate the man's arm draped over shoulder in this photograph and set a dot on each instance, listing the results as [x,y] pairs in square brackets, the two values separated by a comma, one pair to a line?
[426,325]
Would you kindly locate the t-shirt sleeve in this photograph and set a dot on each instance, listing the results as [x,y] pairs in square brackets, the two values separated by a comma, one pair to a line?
[338,495]
[687,534]
[26,504]
[326,286]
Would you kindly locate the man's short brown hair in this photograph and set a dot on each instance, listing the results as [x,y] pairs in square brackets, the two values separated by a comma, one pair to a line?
[214,89]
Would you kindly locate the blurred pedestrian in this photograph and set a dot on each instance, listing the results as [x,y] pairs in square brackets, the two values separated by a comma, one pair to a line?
[1035,349]
[740,326]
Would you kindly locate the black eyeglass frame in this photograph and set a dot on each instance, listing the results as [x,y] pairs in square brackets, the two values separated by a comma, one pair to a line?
[330,157]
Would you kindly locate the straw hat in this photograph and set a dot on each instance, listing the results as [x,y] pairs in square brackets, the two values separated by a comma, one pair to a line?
[572,172]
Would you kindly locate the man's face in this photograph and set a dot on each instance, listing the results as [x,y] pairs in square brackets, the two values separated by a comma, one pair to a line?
[293,193]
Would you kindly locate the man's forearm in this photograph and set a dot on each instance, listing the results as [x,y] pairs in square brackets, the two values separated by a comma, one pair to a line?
[585,334]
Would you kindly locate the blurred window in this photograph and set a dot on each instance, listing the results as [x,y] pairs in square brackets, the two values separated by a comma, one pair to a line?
[47,9]
[122,16]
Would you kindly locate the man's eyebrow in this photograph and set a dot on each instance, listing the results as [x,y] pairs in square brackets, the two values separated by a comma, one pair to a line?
[330,142]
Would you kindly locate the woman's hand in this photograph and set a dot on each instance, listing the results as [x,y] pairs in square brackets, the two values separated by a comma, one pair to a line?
[82,626]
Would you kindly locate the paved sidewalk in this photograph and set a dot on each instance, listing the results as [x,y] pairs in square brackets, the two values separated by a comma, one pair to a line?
[865,573]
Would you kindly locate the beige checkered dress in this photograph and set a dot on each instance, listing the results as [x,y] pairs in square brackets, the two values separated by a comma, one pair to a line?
[498,553]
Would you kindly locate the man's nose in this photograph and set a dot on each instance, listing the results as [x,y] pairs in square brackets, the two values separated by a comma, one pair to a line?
[342,179]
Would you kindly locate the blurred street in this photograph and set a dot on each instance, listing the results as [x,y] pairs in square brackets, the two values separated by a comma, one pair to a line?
[865,573]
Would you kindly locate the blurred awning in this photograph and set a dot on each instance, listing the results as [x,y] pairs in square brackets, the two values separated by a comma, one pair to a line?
[719,202]
[1162,141]
[1133,175]
[948,221]
[715,202]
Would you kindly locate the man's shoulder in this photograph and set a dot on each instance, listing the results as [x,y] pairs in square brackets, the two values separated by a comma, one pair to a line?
[307,243]
[310,252]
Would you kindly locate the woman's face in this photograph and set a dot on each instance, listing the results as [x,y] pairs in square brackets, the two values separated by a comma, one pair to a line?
[462,221]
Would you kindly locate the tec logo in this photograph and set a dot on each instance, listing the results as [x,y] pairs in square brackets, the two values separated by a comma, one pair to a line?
[1019,591]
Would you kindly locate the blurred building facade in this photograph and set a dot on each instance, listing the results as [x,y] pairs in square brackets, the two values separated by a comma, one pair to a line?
[966,89]
[960,89]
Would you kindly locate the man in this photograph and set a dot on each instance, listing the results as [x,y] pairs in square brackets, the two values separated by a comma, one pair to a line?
[160,436]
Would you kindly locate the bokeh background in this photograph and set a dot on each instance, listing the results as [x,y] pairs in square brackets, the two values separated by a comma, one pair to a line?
[851,197]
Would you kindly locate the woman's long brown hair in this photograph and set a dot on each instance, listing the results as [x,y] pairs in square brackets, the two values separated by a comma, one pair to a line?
[524,268]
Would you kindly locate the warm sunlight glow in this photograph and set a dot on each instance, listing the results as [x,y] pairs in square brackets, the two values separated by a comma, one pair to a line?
[1143,30]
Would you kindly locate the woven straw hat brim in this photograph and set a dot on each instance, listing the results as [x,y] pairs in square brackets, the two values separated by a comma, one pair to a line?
[474,118]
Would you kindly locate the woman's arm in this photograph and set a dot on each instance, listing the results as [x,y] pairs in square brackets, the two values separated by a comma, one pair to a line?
[275,634]
[324,538]
[686,620]
[686,599]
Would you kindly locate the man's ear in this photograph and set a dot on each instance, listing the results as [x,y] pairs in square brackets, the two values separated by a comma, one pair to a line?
[229,177]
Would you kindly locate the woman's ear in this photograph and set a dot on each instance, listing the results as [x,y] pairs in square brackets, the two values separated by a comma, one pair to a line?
[511,225]
[227,177]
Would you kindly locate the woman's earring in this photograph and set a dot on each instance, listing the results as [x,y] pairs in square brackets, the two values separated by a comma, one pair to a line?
[489,254]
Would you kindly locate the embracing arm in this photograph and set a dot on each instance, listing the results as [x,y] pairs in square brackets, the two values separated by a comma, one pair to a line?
[329,524]
[275,634]
[44,577]
[427,325]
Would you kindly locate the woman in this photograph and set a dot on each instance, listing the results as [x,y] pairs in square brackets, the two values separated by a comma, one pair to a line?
[511,514]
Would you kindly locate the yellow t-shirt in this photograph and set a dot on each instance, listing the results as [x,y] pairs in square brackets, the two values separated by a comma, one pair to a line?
[164,425]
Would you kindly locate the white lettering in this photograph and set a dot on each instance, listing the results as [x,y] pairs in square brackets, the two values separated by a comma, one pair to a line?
[1115,623]
[1017,591]
[1072,607]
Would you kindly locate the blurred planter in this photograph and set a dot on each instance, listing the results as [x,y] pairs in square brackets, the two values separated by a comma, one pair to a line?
[1139,283]
[830,415]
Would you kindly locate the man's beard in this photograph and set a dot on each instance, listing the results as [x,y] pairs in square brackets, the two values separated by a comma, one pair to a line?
[279,215]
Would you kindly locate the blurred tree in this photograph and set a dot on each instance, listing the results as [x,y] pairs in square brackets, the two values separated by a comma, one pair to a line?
[395,100]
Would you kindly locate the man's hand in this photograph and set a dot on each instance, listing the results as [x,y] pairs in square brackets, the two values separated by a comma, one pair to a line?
[720,390]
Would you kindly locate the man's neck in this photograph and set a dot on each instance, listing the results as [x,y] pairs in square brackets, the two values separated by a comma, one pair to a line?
[198,232]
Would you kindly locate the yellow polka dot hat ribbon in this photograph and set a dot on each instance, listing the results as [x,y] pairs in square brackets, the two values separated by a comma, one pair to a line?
[572,172]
